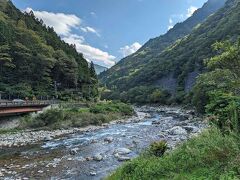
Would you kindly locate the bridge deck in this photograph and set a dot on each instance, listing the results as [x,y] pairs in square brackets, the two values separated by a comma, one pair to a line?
[18,111]
[11,108]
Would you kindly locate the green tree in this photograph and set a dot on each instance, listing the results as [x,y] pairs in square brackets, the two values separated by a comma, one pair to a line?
[5,58]
[65,69]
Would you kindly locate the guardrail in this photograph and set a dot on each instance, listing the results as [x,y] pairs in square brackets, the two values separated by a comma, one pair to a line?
[26,103]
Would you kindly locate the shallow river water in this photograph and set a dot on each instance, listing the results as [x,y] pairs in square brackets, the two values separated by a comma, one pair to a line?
[72,156]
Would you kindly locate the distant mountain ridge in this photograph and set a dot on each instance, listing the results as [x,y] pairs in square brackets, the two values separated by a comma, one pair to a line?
[99,69]
[130,66]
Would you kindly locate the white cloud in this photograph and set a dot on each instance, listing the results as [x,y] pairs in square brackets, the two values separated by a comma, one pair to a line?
[90,29]
[174,18]
[93,14]
[130,49]
[191,10]
[170,26]
[89,52]
[62,23]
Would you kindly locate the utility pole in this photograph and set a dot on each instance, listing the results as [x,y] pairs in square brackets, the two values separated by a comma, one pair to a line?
[55,88]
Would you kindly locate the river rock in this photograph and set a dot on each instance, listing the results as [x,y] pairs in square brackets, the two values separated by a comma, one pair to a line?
[98,157]
[177,130]
[74,151]
[135,142]
[93,141]
[122,151]
[108,139]
[93,173]
[191,112]
[48,138]
[89,158]
[122,158]
[191,129]
[156,122]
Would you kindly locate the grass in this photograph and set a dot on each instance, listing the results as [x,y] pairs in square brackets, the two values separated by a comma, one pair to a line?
[9,131]
[209,156]
[96,114]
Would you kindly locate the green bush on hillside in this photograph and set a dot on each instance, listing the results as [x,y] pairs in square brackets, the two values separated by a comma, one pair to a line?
[226,109]
[140,95]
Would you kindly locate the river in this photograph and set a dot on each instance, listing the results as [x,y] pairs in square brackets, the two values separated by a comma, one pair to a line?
[95,154]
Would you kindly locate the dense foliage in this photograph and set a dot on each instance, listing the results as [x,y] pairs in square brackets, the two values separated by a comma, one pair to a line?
[34,61]
[140,95]
[65,117]
[174,54]
[218,92]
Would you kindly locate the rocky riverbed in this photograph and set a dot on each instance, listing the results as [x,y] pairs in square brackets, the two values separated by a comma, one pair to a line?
[93,152]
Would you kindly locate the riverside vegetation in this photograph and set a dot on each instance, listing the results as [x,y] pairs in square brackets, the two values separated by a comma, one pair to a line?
[66,117]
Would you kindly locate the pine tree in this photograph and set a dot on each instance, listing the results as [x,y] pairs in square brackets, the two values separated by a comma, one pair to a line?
[5,58]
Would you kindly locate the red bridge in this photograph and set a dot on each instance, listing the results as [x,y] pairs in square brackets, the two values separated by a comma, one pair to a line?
[9,108]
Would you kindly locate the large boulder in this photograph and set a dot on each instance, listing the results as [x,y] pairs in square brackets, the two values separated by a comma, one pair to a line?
[177,130]
[97,157]
[74,151]
[108,139]
[121,158]
[191,129]
[122,151]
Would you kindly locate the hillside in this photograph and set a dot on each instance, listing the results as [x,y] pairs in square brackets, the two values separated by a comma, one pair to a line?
[130,65]
[176,68]
[34,61]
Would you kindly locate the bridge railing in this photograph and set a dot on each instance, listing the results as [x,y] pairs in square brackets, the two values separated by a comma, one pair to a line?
[26,103]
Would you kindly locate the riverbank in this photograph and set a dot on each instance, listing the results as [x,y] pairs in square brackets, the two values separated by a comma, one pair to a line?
[31,137]
[18,138]
[208,156]
[60,121]
[95,153]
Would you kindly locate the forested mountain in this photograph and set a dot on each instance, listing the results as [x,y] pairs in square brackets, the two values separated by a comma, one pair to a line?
[175,69]
[34,61]
[99,68]
[132,64]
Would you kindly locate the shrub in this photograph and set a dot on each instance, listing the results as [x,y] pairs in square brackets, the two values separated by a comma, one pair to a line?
[158,148]
[226,109]
[51,116]
[112,107]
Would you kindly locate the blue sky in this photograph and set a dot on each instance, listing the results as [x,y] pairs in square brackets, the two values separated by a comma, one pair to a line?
[107,30]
